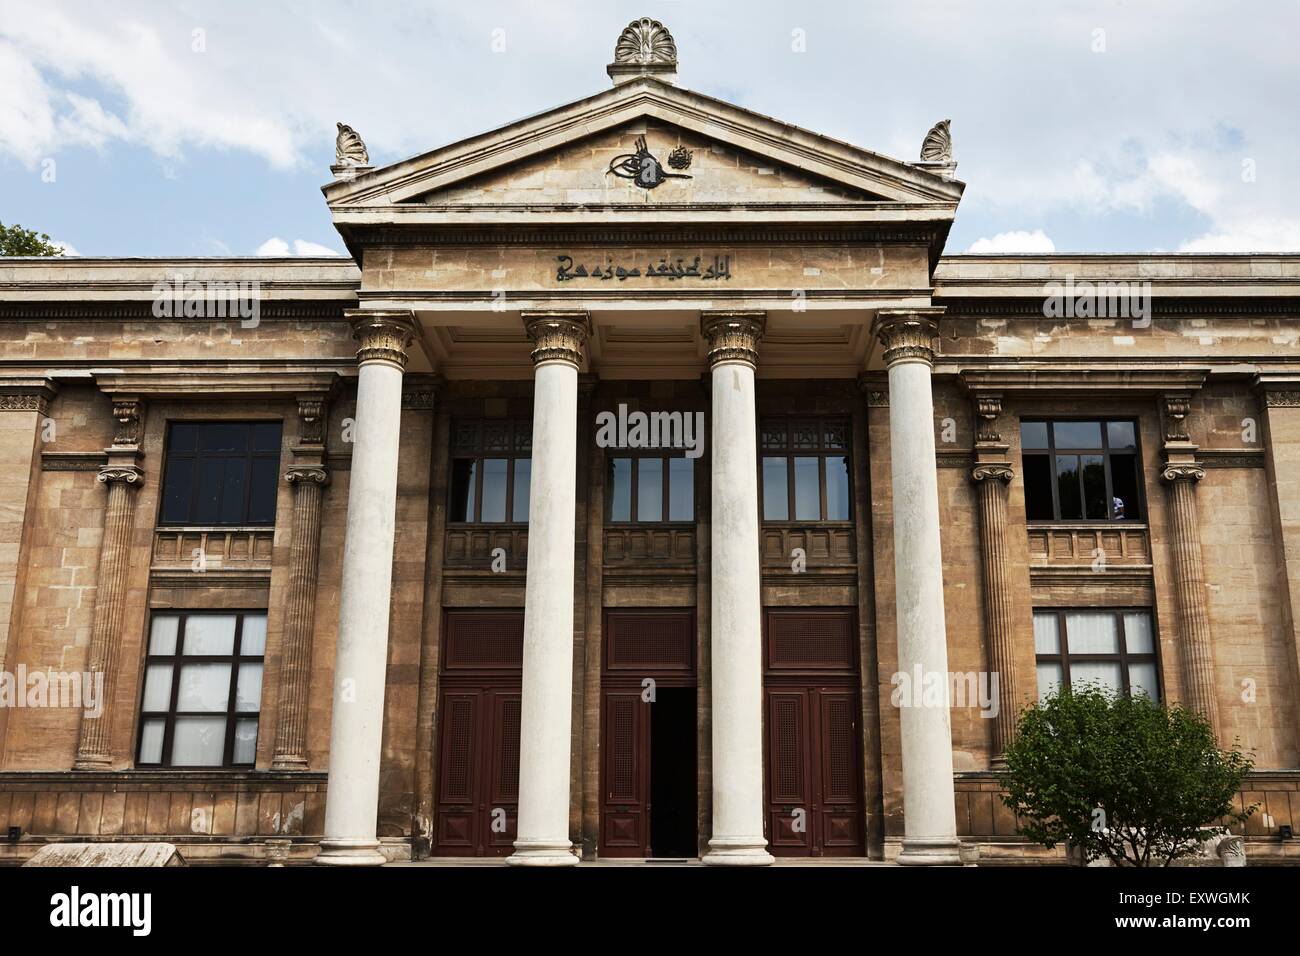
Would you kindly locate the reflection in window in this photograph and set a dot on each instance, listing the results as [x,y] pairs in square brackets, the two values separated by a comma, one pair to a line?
[1080,470]
[220,473]
[646,488]
[805,469]
[1112,648]
[490,471]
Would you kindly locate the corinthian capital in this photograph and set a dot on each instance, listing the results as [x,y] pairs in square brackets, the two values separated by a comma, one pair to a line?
[733,336]
[557,336]
[384,335]
[907,335]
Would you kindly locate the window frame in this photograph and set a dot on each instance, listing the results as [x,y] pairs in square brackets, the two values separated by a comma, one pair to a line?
[251,455]
[821,453]
[637,454]
[176,660]
[1124,658]
[1051,451]
[478,456]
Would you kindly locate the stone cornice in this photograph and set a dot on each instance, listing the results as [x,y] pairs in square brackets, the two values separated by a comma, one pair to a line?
[60,303]
[557,336]
[733,336]
[1075,379]
[385,335]
[191,382]
[27,394]
[907,335]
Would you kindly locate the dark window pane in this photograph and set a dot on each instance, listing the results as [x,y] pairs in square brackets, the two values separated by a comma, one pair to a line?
[772,434]
[266,436]
[1120,435]
[1033,434]
[837,434]
[207,506]
[1124,487]
[650,489]
[464,476]
[620,489]
[176,490]
[223,436]
[182,436]
[1067,487]
[261,501]
[807,490]
[837,488]
[232,489]
[494,489]
[1077,434]
[1094,488]
[776,500]
[1038,488]
[523,475]
[681,489]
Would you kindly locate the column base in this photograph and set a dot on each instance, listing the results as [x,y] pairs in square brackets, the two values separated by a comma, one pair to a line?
[350,853]
[542,853]
[290,763]
[939,851]
[93,762]
[738,851]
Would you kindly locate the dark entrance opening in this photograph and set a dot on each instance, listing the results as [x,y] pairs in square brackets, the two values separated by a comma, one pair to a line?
[672,773]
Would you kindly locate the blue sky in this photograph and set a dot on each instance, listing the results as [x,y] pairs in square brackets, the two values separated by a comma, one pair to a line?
[198,128]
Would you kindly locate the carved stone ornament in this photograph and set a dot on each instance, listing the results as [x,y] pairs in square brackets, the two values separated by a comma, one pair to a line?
[645,41]
[733,336]
[349,150]
[557,336]
[937,145]
[384,336]
[1281,398]
[311,415]
[907,335]
[312,474]
[128,475]
[987,409]
[1183,471]
[25,402]
[1176,409]
[996,470]
[127,413]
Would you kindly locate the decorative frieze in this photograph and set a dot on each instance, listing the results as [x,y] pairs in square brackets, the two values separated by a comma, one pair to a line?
[384,335]
[733,336]
[557,336]
[907,335]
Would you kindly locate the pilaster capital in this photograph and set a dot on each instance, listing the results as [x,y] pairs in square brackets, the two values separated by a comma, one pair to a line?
[307,474]
[129,476]
[313,412]
[988,409]
[907,335]
[995,470]
[733,336]
[1183,471]
[128,414]
[558,336]
[1174,408]
[384,334]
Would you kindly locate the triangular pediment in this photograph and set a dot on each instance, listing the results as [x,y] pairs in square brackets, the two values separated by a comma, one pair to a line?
[563,157]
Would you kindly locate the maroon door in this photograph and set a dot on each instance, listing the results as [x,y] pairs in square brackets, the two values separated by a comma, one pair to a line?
[624,824]
[478,741]
[813,731]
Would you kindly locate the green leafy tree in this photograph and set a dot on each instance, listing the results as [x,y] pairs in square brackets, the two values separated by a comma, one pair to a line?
[17,241]
[1120,777]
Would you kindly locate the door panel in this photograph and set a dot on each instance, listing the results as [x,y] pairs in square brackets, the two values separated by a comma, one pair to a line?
[478,782]
[625,773]
[789,769]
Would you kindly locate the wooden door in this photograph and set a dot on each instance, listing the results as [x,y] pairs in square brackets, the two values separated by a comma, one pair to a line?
[625,824]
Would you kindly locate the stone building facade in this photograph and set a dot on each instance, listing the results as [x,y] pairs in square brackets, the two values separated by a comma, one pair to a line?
[614,497]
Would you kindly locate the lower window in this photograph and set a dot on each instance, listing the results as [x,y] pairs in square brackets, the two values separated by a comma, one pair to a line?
[1113,648]
[202,689]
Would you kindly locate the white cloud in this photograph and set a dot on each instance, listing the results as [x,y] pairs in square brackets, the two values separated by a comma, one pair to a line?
[278,248]
[67,247]
[1023,242]
[1259,235]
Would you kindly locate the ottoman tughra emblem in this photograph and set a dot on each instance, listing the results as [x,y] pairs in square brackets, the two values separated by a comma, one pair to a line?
[645,170]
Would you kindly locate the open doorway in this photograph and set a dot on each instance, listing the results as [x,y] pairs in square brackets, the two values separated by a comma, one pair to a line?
[672,773]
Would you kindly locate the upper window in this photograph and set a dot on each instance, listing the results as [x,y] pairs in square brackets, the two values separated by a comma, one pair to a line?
[221,473]
[491,464]
[1081,470]
[805,469]
[202,689]
[648,488]
[1115,649]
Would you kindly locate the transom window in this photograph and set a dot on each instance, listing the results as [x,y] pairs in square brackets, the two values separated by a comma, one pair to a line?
[1113,648]
[219,473]
[1081,470]
[649,488]
[202,689]
[491,465]
[805,469]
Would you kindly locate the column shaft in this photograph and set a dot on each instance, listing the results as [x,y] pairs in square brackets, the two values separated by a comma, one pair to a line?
[998,624]
[1197,649]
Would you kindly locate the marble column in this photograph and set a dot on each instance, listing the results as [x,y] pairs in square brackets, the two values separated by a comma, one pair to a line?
[991,474]
[356,728]
[308,476]
[736,597]
[123,477]
[546,707]
[929,814]
[1181,473]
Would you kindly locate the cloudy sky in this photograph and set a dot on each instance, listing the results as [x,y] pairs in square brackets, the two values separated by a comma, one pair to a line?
[207,128]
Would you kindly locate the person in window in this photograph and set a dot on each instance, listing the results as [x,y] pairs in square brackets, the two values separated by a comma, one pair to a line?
[1117,506]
